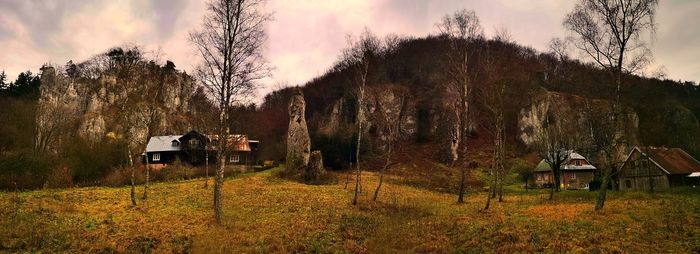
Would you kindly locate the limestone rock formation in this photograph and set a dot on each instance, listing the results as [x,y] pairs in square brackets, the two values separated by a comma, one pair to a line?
[315,169]
[385,101]
[574,108]
[298,141]
[91,107]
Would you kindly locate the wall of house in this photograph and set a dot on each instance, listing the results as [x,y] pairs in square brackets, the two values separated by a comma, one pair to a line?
[577,180]
[644,183]
[570,180]
[580,161]
[165,157]
[641,174]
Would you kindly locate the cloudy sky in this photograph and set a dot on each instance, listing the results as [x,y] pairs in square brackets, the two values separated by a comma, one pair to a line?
[305,37]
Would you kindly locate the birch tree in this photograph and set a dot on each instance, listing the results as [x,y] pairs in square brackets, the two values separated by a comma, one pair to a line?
[461,29]
[389,120]
[358,57]
[230,43]
[612,34]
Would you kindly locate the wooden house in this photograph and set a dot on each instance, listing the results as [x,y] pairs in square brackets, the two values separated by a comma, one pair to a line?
[163,149]
[194,148]
[241,151]
[658,168]
[576,173]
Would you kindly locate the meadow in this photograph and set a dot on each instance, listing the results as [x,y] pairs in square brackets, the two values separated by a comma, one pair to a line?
[263,213]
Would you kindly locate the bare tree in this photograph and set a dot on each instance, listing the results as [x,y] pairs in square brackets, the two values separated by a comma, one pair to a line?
[124,65]
[501,75]
[389,120]
[611,34]
[553,143]
[358,57]
[493,95]
[461,29]
[230,43]
[559,48]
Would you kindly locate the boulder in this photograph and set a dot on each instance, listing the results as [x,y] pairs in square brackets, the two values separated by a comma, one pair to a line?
[315,169]
[298,141]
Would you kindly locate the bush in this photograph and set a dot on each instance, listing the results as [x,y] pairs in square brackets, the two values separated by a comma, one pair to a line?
[176,171]
[121,176]
[91,161]
[24,170]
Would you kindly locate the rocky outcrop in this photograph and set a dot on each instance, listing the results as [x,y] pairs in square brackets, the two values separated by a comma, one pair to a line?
[315,169]
[298,141]
[381,103]
[155,103]
[574,111]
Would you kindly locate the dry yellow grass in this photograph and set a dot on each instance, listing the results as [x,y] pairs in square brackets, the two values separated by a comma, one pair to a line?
[263,213]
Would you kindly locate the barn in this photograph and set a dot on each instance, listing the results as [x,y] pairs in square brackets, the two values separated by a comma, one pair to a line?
[658,168]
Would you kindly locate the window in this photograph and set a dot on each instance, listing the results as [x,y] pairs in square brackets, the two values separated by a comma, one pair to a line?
[578,162]
[176,143]
[156,157]
[573,175]
[234,158]
[194,142]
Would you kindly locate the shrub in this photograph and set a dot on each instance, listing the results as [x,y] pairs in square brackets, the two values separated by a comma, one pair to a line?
[24,170]
[91,161]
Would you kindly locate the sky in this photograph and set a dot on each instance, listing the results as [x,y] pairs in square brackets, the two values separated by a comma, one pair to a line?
[306,36]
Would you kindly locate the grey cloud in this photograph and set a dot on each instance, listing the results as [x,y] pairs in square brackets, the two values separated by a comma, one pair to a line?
[166,13]
[41,18]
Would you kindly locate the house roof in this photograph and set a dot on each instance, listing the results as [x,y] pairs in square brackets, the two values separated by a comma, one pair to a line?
[162,143]
[673,161]
[544,166]
[240,143]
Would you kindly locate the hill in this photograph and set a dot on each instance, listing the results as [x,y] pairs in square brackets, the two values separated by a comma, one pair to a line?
[410,78]
[263,213]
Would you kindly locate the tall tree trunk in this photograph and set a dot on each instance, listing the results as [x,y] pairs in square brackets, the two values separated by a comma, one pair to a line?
[526,188]
[359,138]
[133,176]
[551,192]
[347,177]
[145,187]
[206,168]
[460,198]
[488,194]
[602,192]
[600,200]
[381,173]
[557,179]
[219,182]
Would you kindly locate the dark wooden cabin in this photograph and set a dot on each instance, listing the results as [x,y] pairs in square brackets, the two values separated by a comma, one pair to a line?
[194,148]
[658,168]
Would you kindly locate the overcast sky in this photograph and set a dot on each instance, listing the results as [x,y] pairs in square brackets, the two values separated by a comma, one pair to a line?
[305,37]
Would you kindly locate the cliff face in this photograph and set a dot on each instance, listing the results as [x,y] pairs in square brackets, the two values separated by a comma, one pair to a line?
[382,103]
[150,103]
[552,108]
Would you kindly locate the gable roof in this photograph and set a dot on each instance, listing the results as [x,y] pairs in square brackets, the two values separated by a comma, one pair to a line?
[673,161]
[544,166]
[162,143]
[238,142]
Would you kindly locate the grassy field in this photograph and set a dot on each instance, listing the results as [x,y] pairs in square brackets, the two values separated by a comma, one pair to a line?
[263,213]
